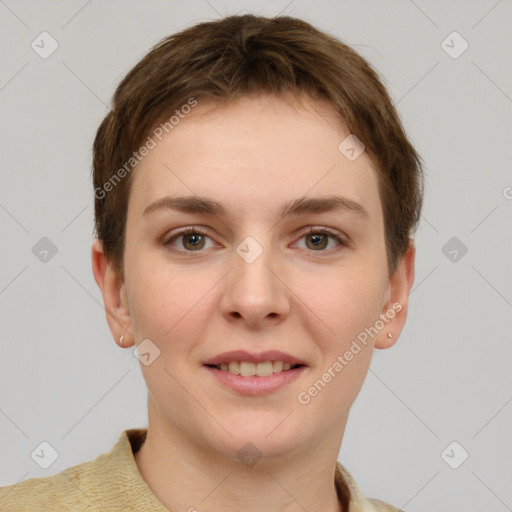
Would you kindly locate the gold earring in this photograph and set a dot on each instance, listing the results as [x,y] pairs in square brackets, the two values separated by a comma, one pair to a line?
[390,335]
[121,340]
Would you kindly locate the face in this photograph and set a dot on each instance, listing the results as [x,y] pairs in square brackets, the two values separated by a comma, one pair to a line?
[278,246]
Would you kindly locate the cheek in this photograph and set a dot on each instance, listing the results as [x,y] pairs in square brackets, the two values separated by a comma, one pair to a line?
[340,309]
[166,305]
[343,303]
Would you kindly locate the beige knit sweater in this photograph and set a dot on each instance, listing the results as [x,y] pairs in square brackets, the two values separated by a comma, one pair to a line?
[112,482]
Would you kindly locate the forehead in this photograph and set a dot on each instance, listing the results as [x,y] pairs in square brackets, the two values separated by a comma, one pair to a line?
[254,153]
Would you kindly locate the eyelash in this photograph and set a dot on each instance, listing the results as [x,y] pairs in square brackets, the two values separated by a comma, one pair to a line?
[198,231]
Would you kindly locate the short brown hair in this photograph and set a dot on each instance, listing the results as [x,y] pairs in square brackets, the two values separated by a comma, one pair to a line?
[245,56]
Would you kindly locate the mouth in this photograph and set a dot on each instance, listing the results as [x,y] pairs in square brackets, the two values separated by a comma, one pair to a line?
[255,374]
[255,378]
[252,369]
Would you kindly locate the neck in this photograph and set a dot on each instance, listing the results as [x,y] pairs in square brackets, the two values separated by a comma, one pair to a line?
[184,475]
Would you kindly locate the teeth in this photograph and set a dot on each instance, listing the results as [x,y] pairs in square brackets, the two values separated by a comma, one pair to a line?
[264,369]
[249,369]
[234,367]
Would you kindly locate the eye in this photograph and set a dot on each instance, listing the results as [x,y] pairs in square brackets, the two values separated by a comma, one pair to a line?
[193,239]
[317,239]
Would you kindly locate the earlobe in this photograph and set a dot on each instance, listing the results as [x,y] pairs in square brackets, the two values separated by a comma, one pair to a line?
[114,295]
[395,309]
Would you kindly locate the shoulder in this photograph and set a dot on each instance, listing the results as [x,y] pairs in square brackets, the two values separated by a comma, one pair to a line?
[351,495]
[63,491]
[381,506]
[110,482]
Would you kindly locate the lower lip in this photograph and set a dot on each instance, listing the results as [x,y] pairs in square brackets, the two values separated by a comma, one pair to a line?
[253,386]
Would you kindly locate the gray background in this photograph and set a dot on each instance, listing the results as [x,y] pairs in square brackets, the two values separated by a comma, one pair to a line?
[62,378]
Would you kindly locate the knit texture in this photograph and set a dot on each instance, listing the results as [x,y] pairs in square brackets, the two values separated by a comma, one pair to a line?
[112,482]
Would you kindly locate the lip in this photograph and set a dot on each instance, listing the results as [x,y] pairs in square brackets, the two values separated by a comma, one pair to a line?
[261,357]
[254,386]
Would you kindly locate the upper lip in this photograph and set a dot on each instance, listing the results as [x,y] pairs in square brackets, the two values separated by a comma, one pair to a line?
[242,355]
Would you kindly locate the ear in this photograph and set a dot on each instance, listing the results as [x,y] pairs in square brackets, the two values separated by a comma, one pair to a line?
[397,299]
[113,290]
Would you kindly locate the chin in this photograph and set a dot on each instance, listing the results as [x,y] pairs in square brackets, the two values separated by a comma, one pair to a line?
[254,436]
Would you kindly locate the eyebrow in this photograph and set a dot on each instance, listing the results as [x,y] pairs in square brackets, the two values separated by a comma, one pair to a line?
[300,206]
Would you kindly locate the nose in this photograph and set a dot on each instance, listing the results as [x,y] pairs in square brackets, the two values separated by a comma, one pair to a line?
[254,293]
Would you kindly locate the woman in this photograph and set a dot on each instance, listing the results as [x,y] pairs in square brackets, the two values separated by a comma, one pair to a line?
[255,201]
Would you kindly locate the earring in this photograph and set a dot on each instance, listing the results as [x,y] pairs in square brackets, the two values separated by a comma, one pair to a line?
[390,335]
[121,340]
